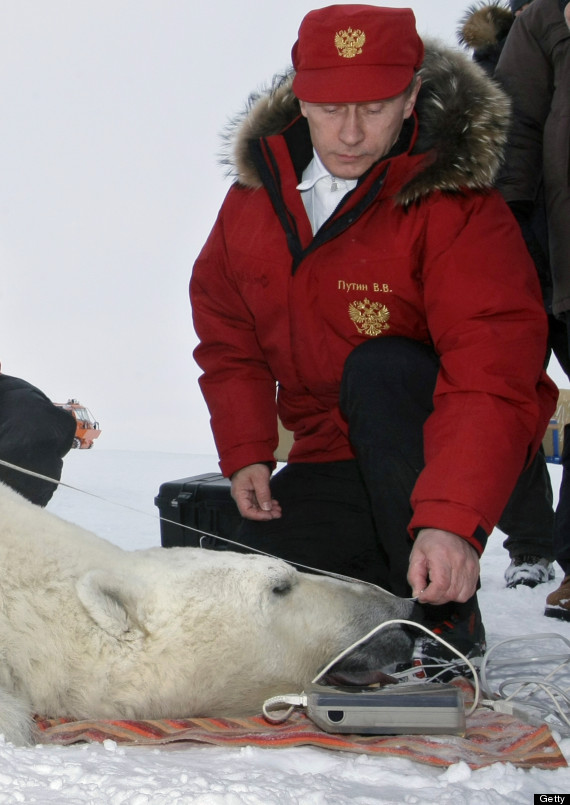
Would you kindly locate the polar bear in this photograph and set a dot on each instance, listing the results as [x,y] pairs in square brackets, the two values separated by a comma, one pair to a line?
[88,630]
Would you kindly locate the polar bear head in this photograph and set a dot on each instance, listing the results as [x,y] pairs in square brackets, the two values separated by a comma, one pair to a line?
[200,632]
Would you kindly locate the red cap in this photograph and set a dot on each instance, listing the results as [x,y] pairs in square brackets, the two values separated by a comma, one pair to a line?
[355,53]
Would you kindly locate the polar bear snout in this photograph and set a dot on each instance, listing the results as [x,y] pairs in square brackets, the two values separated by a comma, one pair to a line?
[389,646]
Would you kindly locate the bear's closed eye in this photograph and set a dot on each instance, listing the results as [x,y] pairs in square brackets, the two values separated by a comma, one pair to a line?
[282,588]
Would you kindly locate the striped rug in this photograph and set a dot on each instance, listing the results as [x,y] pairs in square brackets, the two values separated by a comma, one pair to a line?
[489,738]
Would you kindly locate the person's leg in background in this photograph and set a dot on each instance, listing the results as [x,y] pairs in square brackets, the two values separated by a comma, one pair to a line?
[528,522]
[528,519]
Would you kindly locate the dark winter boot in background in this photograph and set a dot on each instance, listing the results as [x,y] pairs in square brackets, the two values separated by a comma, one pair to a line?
[529,571]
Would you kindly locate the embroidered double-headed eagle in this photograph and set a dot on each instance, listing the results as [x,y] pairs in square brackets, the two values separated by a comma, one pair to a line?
[349,43]
[370,318]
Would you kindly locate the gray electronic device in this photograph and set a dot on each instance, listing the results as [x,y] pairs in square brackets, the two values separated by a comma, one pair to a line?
[392,710]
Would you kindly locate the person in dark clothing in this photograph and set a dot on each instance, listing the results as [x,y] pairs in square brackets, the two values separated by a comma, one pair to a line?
[528,519]
[518,6]
[34,434]
[483,29]
[538,156]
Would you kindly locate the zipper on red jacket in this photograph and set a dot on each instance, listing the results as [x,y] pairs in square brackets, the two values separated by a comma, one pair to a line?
[270,177]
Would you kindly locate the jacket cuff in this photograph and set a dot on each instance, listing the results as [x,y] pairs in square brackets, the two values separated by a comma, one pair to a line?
[454,518]
[243,456]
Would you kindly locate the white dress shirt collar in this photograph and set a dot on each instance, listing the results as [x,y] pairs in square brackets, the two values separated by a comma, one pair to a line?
[321,192]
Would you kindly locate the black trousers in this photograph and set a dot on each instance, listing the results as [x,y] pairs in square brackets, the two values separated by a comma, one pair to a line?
[528,518]
[351,517]
[34,434]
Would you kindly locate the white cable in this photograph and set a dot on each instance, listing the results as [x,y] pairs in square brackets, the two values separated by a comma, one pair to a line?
[400,621]
[525,661]
[82,491]
[200,531]
[329,573]
[291,699]
[549,689]
[543,658]
[537,699]
[300,700]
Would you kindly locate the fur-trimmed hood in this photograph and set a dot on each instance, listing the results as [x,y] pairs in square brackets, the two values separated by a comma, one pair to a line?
[463,124]
[484,25]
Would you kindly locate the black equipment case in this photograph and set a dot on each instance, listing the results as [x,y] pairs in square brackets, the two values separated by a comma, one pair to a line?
[202,502]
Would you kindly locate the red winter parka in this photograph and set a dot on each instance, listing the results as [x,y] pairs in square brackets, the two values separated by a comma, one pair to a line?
[421,248]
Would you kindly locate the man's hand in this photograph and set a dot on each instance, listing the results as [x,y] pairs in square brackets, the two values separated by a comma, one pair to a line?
[251,492]
[443,567]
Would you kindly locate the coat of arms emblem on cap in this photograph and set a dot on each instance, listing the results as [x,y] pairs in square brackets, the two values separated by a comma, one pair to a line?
[349,43]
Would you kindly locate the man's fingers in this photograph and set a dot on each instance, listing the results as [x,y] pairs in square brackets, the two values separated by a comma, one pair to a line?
[252,493]
[417,575]
[443,567]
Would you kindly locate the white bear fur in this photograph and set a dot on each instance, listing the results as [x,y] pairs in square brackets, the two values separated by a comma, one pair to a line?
[88,630]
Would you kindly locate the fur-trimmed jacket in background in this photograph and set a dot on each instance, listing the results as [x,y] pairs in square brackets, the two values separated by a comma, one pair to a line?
[484,29]
[534,68]
[421,248]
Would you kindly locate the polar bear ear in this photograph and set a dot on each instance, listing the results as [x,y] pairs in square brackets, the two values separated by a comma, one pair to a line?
[112,600]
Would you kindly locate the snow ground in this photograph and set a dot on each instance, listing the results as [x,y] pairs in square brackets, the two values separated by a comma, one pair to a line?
[108,774]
